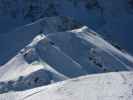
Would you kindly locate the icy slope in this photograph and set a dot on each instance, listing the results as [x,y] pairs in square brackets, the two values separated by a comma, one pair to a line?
[109,86]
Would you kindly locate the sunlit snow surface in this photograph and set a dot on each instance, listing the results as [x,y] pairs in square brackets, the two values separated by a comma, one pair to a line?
[109,86]
[59,56]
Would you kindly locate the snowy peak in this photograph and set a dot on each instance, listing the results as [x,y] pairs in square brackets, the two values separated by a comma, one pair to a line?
[55,51]
[82,47]
[59,56]
[37,39]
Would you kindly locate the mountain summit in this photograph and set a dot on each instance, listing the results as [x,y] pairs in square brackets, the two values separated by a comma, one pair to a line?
[66,49]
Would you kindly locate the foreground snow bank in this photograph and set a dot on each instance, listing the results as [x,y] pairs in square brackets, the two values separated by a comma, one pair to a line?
[108,86]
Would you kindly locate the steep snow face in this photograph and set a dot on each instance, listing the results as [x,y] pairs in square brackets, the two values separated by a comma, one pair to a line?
[39,63]
[91,51]
[22,36]
[81,48]
[109,86]
[61,55]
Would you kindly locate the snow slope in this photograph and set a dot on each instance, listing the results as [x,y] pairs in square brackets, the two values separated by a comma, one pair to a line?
[59,56]
[91,51]
[109,86]
[18,75]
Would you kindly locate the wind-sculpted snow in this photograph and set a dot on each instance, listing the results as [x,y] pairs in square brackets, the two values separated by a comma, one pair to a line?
[91,51]
[18,75]
[109,86]
[59,56]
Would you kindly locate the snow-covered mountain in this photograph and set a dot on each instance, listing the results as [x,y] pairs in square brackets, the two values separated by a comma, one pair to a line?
[111,18]
[59,56]
[50,48]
